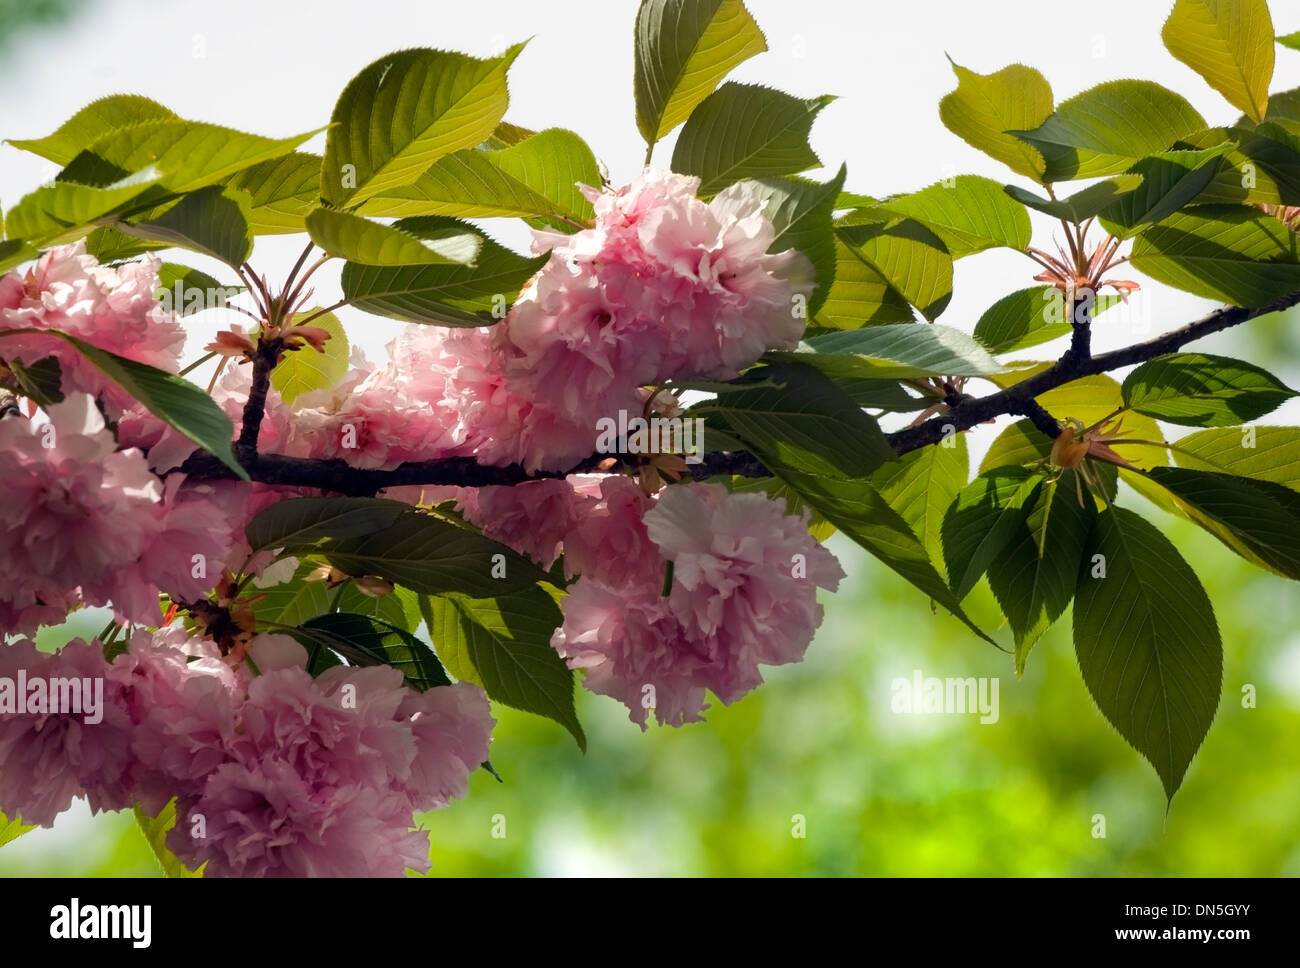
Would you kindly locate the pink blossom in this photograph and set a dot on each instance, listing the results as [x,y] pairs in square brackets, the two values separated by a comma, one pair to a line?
[452,727]
[323,775]
[77,513]
[88,523]
[663,286]
[266,818]
[608,542]
[112,308]
[50,757]
[533,518]
[183,700]
[369,424]
[743,593]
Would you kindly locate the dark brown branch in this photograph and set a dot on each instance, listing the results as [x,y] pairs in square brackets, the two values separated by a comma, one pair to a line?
[339,477]
[1080,328]
[255,406]
[1018,399]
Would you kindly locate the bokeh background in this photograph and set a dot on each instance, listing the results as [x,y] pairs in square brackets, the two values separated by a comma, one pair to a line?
[878,793]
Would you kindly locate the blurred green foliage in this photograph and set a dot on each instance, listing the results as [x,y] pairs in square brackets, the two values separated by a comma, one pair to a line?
[881,793]
[18,15]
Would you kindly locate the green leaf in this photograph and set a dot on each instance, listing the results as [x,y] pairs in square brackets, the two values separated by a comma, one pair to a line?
[432,555]
[448,295]
[880,395]
[1019,445]
[173,399]
[1234,254]
[862,513]
[1033,577]
[13,829]
[212,221]
[367,641]
[301,523]
[551,164]
[860,295]
[1283,107]
[374,244]
[1170,181]
[64,210]
[185,290]
[170,274]
[94,121]
[42,381]
[1230,44]
[911,258]
[982,521]
[1259,516]
[969,214]
[801,420]
[506,135]
[1264,453]
[385,608]
[1108,127]
[1082,205]
[1257,171]
[282,191]
[1147,642]
[683,49]
[109,244]
[304,369]
[986,106]
[901,351]
[921,485]
[800,212]
[747,131]
[1199,390]
[1276,149]
[189,154]
[535,178]
[155,830]
[1029,317]
[404,112]
[294,601]
[14,252]
[1290,40]
[504,643]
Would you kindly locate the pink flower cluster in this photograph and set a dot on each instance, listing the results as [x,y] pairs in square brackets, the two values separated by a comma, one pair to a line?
[663,286]
[742,590]
[274,775]
[112,308]
[85,523]
[86,519]
[283,773]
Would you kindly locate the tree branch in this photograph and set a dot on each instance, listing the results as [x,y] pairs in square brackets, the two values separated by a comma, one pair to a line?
[965,412]
[255,406]
[341,477]
[1018,399]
